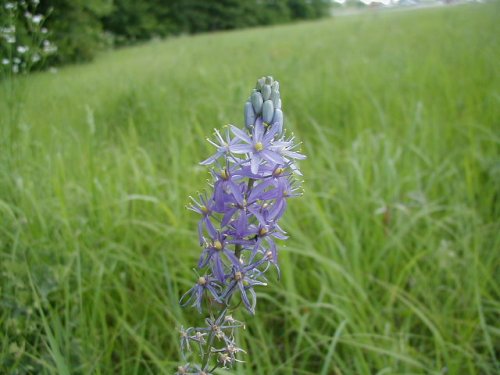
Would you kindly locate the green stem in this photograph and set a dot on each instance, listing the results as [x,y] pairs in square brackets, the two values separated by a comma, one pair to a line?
[237,250]
[206,355]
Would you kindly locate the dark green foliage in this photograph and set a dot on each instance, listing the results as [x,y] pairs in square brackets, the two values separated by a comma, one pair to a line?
[80,28]
[132,21]
[76,27]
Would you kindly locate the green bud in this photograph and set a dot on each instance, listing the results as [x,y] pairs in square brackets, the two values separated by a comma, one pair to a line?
[249,115]
[266,92]
[278,118]
[257,102]
[260,83]
[275,97]
[267,111]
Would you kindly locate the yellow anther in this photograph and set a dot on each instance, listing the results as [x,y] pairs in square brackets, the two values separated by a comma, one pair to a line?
[238,276]
[202,280]
[278,171]
[224,174]
[217,245]
[204,209]
[259,146]
[263,231]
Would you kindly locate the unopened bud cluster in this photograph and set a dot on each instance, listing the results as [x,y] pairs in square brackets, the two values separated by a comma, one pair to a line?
[254,174]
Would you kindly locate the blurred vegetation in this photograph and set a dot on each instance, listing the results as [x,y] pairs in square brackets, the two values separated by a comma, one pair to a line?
[80,28]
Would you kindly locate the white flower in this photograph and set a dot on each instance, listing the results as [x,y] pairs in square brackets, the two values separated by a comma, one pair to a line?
[44,30]
[48,47]
[35,58]
[22,49]
[10,6]
[37,18]
[5,61]
[15,69]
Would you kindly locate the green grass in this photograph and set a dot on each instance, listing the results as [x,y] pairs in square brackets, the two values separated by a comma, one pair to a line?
[390,268]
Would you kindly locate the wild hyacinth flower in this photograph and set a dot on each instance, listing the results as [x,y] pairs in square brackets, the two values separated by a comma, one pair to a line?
[253,173]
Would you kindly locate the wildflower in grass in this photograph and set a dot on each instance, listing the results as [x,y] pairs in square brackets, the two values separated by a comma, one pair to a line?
[252,174]
[204,207]
[205,284]
[224,146]
[21,38]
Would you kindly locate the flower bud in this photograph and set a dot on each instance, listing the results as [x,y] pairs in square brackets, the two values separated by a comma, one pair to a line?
[275,86]
[260,83]
[257,102]
[278,119]
[267,111]
[275,97]
[249,115]
[269,80]
[266,92]
[279,104]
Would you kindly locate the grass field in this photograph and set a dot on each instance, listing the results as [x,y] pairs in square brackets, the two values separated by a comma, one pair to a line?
[390,268]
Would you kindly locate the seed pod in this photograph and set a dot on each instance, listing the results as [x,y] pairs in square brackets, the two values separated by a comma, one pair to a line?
[257,102]
[267,111]
[275,97]
[278,120]
[266,92]
[249,115]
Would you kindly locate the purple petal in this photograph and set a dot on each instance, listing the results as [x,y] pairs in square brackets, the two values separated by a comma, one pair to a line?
[271,132]
[210,227]
[293,155]
[241,148]
[227,216]
[258,132]
[257,190]
[245,298]
[218,268]
[273,157]
[235,190]
[241,134]
[211,159]
[254,163]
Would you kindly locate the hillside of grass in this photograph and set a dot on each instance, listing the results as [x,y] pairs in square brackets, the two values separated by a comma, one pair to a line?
[390,266]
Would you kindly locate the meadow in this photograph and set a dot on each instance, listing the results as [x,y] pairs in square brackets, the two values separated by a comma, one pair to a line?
[390,266]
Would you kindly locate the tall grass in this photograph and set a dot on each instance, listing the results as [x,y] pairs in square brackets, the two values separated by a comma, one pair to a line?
[391,264]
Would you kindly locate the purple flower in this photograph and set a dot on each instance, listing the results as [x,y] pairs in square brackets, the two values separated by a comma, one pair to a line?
[244,279]
[258,146]
[204,207]
[213,254]
[195,295]
[253,177]
[224,147]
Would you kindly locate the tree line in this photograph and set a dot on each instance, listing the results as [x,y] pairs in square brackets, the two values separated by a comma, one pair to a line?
[80,28]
